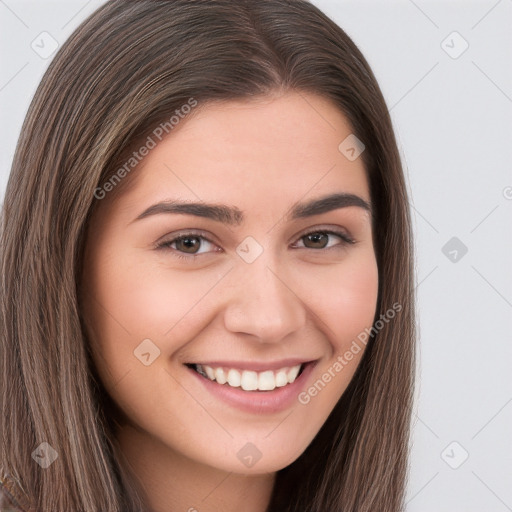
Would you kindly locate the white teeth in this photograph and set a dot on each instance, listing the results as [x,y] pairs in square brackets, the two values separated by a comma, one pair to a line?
[251,380]
[292,373]
[220,376]
[267,380]
[234,378]
[248,381]
[209,371]
[281,379]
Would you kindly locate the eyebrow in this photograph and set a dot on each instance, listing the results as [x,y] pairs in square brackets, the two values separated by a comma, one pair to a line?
[233,216]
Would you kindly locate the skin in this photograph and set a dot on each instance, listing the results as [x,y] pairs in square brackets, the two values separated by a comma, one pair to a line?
[261,156]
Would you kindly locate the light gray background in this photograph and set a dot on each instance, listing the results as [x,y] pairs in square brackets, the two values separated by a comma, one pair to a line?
[453,118]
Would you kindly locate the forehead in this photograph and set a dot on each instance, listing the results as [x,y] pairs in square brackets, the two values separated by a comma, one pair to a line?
[272,149]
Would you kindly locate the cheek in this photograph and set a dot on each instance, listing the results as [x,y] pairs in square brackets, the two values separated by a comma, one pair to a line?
[150,299]
[344,297]
[130,301]
[344,301]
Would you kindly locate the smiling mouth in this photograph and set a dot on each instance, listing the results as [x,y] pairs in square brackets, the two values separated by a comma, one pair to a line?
[249,380]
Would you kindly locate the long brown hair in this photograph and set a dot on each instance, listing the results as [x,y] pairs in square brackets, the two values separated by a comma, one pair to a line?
[124,70]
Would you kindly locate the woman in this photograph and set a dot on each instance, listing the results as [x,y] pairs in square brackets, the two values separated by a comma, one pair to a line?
[207,294]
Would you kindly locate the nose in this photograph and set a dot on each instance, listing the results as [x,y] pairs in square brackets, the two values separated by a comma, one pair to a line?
[264,304]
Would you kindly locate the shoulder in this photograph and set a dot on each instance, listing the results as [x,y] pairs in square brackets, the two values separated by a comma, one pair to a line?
[11,497]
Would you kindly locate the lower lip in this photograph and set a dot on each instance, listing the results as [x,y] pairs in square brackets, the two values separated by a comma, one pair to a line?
[258,402]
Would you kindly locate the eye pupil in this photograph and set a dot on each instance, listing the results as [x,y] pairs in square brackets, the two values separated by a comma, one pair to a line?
[317,238]
[188,244]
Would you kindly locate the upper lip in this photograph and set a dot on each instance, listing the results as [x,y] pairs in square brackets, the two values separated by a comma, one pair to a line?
[256,366]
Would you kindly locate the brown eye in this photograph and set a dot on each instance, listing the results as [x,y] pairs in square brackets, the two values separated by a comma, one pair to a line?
[188,244]
[317,240]
[325,240]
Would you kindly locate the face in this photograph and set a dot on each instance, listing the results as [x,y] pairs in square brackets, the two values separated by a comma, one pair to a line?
[271,272]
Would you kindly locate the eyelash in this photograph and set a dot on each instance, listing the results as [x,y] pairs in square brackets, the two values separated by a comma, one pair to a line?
[345,240]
